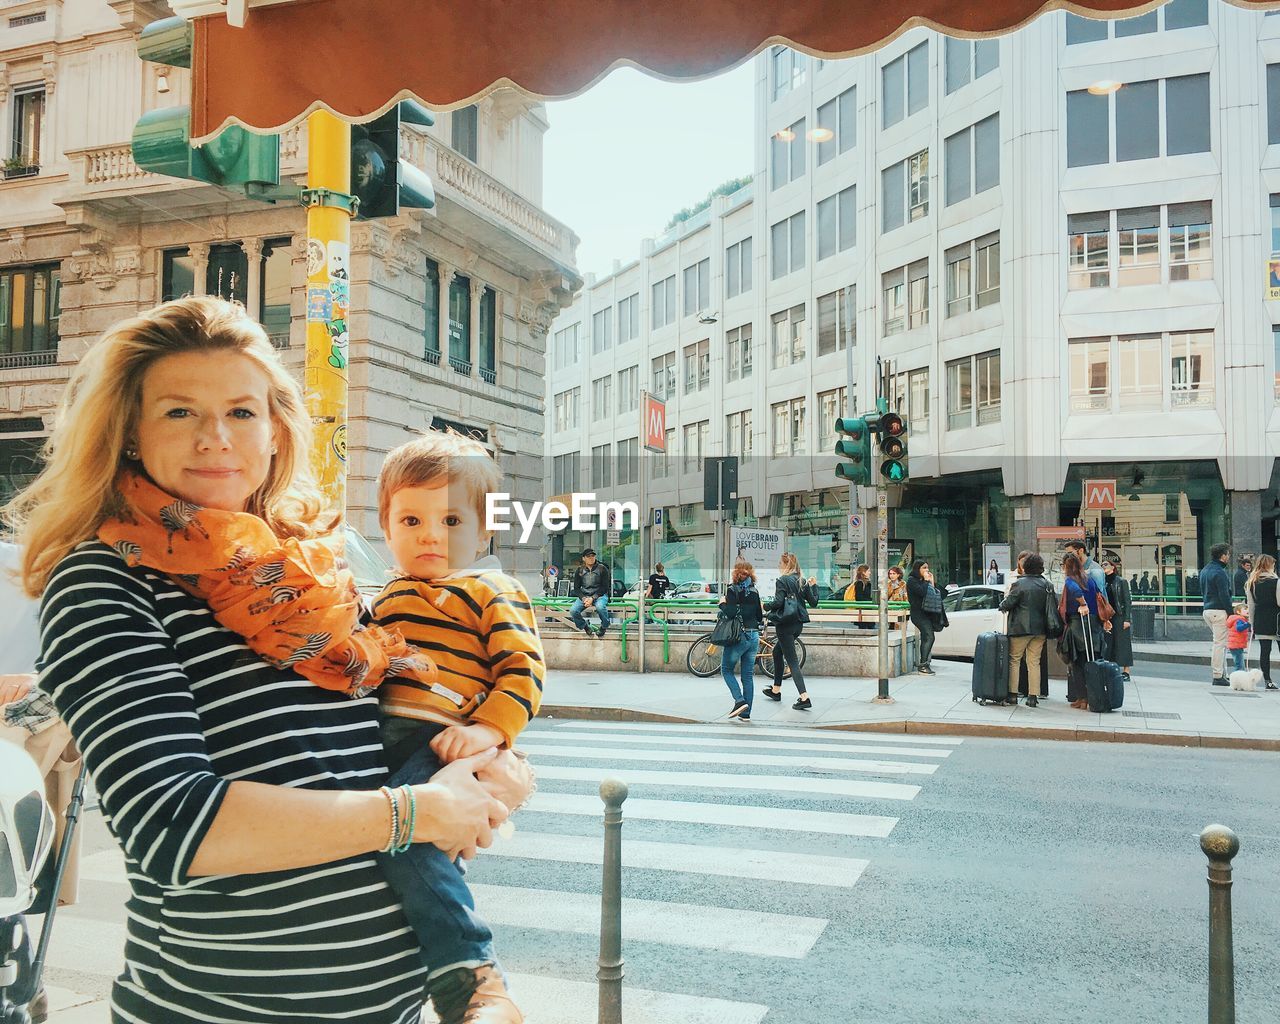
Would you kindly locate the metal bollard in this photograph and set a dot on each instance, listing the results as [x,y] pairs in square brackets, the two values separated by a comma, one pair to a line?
[613,792]
[1220,845]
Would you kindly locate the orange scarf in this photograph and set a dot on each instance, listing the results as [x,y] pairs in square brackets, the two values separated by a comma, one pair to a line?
[294,601]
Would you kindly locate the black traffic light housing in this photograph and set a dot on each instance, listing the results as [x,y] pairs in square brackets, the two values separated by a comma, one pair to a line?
[380,179]
[892,430]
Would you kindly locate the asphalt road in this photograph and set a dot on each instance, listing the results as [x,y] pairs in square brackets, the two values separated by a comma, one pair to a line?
[1036,882]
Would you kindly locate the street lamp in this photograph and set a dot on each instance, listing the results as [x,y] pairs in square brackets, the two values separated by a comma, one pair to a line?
[1104,87]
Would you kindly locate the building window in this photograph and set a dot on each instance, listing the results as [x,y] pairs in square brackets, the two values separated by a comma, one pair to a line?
[664,376]
[488,354]
[629,319]
[1139,376]
[227,274]
[1185,14]
[786,155]
[1191,369]
[566,472]
[738,352]
[695,445]
[839,117]
[697,288]
[601,467]
[628,461]
[177,275]
[28,125]
[30,315]
[987,249]
[787,246]
[788,428]
[917,294]
[629,389]
[1140,131]
[460,325]
[831,406]
[1085,30]
[661,461]
[1273,104]
[1089,360]
[1088,129]
[972,159]
[465,131]
[663,310]
[905,191]
[969,288]
[737,268]
[904,85]
[787,68]
[788,337]
[973,391]
[601,334]
[564,345]
[601,398]
[959,279]
[968,60]
[697,367]
[1088,252]
[1186,104]
[836,324]
[1190,241]
[275,290]
[1138,246]
[738,433]
[1175,15]
[918,186]
[566,409]
[1138,121]
[909,397]
[893,285]
[431,313]
[837,221]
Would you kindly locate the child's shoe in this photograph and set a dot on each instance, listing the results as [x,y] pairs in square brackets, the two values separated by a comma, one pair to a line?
[473,995]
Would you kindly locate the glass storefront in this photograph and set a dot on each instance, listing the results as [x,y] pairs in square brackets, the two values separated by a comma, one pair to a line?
[947,522]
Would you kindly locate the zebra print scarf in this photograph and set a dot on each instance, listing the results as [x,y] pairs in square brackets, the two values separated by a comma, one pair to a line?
[294,601]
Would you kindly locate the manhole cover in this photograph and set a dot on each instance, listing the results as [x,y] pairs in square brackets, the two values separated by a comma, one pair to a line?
[1153,714]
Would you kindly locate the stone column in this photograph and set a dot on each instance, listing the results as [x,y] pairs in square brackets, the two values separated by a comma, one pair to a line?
[1041,510]
[1246,524]
[199,252]
[473,333]
[253,287]
[447,274]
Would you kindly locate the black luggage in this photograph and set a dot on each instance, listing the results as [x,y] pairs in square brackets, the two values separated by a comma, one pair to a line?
[1103,680]
[991,668]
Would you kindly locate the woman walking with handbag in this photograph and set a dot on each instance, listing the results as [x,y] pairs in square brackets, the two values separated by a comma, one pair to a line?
[1264,612]
[738,633]
[927,614]
[788,614]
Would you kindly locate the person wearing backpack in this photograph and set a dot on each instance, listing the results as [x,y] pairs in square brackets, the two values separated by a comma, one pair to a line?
[741,601]
[788,614]
[1032,608]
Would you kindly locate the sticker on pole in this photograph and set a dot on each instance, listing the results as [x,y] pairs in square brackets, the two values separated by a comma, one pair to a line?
[339,442]
[319,306]
[315,257]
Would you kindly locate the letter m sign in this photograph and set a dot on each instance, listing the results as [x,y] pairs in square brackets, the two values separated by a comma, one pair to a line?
[1100,495]
[653,423]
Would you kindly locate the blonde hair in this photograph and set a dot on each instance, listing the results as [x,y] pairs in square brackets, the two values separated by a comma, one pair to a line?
[438,456]
[789,563]
[742,570]
[1262,566]
[76,492]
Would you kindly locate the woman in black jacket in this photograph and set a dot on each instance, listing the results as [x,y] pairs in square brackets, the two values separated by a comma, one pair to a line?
[1121,601]
[1027,605]
[790,584]
[1264,610]
[928,620]
[742,599]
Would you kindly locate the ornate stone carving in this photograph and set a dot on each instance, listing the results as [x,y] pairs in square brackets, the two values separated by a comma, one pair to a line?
[252,249]
[505,105]
[16,251]
[49,71]
[99,262]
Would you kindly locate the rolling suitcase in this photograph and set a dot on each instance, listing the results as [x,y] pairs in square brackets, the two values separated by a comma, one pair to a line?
[991,668]
[1103,680]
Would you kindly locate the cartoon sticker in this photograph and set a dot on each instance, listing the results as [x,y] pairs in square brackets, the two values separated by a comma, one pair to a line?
[339,257]
[339,441]
[319,306]
[339,339]
[341,292]
[315,256]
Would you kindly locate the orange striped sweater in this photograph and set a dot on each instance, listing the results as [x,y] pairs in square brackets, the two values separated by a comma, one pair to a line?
[479,628]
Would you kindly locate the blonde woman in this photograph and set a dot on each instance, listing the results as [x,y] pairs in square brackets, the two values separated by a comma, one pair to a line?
[238,767]
[1264,613]
[788,614]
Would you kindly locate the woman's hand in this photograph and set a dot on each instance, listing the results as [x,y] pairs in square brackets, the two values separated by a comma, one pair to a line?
[1126,625]
[15,687]
[813,581]
[456,812]
[509,778]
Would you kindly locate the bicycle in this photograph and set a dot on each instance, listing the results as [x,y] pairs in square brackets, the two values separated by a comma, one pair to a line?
[703,658]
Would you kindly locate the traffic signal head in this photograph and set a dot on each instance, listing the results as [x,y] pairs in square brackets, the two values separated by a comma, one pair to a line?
[893,448]
[379,178]
[855,446]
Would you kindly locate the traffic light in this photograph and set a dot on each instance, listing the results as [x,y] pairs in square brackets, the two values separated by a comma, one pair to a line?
[856,447]
[236,158]
[380,179]
[893,447]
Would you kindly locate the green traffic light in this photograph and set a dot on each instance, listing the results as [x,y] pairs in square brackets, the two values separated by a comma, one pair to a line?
[894,472]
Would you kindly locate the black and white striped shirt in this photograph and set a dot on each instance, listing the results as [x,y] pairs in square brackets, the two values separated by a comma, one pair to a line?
[169,708]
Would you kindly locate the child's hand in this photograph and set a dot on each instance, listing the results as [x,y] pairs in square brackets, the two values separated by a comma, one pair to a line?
[509,778]
[464,740]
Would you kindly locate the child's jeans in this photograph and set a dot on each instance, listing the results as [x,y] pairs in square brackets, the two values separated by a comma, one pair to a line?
[1238,657]
[431,887]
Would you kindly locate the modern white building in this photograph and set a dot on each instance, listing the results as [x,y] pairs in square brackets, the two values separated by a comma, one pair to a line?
[450,309]
[1057,247]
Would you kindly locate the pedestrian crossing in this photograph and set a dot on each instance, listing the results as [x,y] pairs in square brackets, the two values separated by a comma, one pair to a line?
[741,846]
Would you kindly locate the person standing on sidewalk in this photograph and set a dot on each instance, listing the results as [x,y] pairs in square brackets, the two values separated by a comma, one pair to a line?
[1242,574]
[788,614]
[927,614]
[1121,602]
[743,599]
[1080,610]
[591,589]
[1027,606]
[860,590]
[1264,611]
[1215,592]
[1089,567]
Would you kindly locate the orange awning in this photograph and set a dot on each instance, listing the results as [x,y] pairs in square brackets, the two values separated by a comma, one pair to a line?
[356,57]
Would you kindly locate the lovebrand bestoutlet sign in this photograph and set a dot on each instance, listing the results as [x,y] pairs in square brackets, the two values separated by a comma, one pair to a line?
[763,549]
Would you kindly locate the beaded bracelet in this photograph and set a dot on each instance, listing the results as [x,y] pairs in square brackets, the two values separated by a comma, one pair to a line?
[393,841]
[411,816]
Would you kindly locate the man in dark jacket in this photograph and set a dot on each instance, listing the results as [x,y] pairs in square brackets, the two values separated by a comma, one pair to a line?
[1028,603]
[1215,593]
[591,589]
[1241,575]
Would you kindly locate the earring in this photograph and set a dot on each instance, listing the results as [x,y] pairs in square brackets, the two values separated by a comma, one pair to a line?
[131,454]
[274,450]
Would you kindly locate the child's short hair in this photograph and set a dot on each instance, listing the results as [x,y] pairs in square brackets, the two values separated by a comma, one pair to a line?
[1239,609]
[438,456]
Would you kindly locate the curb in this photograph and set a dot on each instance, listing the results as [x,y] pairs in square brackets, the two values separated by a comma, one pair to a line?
[1171,659]
[934,727]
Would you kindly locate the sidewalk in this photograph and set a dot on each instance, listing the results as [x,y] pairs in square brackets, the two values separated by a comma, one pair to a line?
[1174,712]
[1177,652]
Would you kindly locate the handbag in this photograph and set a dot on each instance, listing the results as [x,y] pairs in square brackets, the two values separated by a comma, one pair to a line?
[728,628]
[1054,626]
[932,602]
[789,614]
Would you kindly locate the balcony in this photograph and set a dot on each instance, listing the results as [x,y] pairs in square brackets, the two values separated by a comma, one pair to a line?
[488,376]
[432,356]
[23,360]
[462,366]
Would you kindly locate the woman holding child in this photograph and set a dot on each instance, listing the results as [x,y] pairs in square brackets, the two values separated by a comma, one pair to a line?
[202,641]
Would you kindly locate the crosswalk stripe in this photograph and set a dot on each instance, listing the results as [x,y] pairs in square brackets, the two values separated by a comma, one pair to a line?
[835,737]
[805,786]
[755,933]
[734,759]
[754,744]
[547,1000]
[726,861]
[783,818]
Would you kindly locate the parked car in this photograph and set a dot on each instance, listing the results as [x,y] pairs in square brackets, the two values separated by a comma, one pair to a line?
[970,610]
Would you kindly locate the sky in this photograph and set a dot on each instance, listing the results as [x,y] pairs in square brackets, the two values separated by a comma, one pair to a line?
[620,159]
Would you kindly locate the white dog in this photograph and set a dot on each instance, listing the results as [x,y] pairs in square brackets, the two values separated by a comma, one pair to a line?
[1248,679]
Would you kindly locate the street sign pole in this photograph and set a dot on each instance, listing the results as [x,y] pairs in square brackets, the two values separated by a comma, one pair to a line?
[644,526]
[851,400]
[882,566]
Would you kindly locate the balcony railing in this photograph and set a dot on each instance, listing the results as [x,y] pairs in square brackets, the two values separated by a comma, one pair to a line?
[279,340]
[463,366]
[432,355]
[20,360]
[488,376]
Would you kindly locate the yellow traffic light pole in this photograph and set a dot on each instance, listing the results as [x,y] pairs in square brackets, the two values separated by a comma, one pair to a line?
[330,208]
